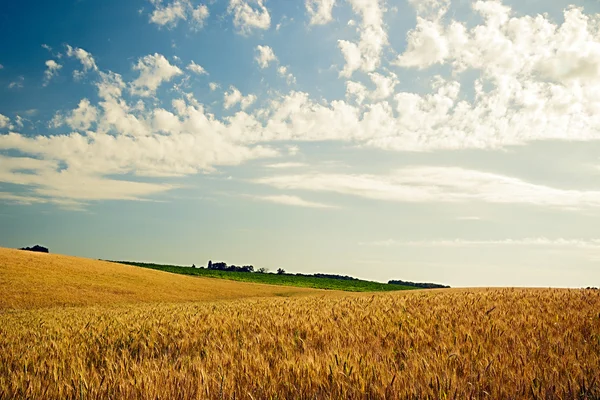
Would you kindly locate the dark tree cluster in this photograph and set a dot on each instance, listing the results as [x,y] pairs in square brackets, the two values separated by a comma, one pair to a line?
[419,284]
[37,248]
[221,266]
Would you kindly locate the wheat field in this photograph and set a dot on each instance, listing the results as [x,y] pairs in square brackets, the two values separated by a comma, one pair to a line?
[33,280]
[456,344]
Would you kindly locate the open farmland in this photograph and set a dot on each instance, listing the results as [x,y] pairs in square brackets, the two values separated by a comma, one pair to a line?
[498,343]
[29,280]
[350,285]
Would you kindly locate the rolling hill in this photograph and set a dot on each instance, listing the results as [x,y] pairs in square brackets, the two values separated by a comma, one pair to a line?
[31,280]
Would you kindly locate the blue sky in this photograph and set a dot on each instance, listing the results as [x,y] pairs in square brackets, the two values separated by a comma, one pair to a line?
[451,141]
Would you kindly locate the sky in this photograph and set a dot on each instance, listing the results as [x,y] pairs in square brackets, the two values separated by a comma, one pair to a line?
[449,141]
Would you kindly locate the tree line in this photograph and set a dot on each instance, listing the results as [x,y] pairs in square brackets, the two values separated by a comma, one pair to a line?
[221,266]
[418,284]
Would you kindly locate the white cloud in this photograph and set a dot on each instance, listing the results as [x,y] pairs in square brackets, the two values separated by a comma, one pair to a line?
[384,85]
[289,77]
[133,140]
[179,10]
[169,14]
[293,150]
[200,15]
[49,182]
[427,45]
[525,242]
[430,9]
[319,11]
[366,54]
[249,15]
[86,59]
[154,70]
[286,165]
[438,184]
[213,86]
[292,201]
[357,91]
[18,121]
[264,56]
[52,68]
[18,84]
[234,96]
[83,116]
[534,79]
[4,121]
[197,69]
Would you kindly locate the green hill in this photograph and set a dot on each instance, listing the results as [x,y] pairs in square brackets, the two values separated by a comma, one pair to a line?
[307,281]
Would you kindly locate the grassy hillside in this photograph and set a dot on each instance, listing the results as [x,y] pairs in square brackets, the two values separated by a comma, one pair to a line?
[275,279]
[29,279]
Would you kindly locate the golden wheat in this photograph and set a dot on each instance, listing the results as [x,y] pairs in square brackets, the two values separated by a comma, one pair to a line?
[497,344]
[32,280]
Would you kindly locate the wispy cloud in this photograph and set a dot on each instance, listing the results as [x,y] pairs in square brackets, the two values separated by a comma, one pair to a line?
[525,242]
[292,201]
[437,184]
[286,165]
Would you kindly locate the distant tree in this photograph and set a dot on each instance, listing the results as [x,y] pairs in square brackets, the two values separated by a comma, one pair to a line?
[37,248]
[280,271]
[209,264]
[221,266]
[193,265]
[262,270]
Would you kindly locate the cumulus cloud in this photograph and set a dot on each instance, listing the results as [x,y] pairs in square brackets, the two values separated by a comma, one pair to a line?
[52,68]
[83,116]
[197,69]
[264,56]
[437,185]
[249,15]
[234,96]
[4,121]
[319,11]
[117,139]
[170,14]
[356,91]
[199,15]
[384,85]
[534,79]
[289,77]
[154,70]
[366,54]
[86,59]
